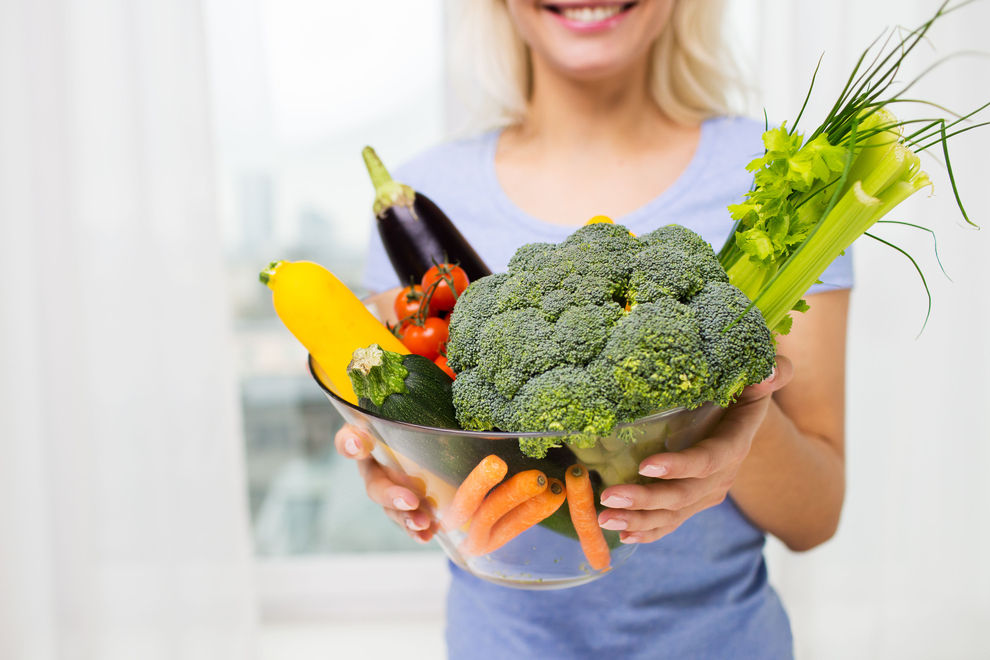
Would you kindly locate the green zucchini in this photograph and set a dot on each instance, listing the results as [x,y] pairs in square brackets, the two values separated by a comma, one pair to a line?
[406,388]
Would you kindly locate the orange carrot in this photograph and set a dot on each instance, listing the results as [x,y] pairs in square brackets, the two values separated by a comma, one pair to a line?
[525,515]
[584,516]
[489,471]
[506,496]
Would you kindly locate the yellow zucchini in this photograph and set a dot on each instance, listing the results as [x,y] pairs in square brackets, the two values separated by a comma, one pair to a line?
[326,318]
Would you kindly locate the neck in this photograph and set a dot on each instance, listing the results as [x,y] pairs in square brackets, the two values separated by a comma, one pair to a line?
[609,112]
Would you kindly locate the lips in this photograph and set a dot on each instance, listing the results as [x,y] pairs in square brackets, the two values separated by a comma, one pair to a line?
[589,13]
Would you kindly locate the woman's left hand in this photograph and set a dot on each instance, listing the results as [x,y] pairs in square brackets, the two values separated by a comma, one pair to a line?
[695,478]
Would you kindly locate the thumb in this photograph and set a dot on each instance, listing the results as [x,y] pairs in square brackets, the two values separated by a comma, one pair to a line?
[781,375]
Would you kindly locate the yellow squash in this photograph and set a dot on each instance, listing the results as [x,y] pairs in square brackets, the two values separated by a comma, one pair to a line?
[326,318]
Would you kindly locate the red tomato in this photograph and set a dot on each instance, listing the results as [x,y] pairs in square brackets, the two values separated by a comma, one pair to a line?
[425,339]
[441,362]
[407,302]
[447,281]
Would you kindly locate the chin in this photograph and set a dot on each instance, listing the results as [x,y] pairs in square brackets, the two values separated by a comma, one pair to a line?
[590,64]
[590,39]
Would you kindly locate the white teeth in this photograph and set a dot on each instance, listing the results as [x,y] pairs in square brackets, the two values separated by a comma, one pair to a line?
[591,14]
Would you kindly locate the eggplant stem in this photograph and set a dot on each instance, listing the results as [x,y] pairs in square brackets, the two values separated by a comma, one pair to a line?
[388,192]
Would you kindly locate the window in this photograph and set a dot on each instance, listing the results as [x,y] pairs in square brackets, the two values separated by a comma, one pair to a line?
[299,87]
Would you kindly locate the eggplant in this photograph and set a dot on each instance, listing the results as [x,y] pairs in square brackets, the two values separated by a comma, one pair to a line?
[415,232]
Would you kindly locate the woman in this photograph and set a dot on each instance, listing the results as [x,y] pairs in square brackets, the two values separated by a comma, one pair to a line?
[620,109]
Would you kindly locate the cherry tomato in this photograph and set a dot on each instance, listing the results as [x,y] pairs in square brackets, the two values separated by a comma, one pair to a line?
[407,302]
[426,339]
[441,362]
[441,277]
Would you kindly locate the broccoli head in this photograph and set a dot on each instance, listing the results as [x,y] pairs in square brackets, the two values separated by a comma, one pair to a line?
[602,328]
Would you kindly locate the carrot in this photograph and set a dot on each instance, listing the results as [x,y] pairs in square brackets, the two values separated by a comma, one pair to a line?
[525,515]
[506,496]
[489,471]
[584,516]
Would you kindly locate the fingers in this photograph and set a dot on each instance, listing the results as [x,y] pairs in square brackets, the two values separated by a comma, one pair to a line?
[645,513]
[648,526]
[676,494]
[382,490]
[400,503]
[352,442]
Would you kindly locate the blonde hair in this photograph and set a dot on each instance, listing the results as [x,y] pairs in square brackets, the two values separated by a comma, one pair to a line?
[693,71]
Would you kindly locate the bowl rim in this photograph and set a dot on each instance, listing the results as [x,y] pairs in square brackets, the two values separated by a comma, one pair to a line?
[489,435]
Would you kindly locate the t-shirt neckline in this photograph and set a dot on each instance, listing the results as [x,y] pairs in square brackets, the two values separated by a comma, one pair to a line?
[638,220]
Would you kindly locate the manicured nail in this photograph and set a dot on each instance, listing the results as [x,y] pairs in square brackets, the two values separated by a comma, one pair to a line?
[629,538]
[352,446]
[616,524]
[402,505]
[616,501]
[413,525]
[653,470]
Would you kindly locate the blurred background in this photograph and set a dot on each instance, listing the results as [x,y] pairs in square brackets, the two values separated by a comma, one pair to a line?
[168,484]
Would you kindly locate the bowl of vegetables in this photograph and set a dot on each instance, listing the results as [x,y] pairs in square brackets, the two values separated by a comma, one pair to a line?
[556,377]
[512,519]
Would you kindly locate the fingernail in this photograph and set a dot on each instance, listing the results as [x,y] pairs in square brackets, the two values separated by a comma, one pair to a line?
[402,505]
[352,446]
[413,525]
[653,470]
[773,374]
[616,501]
[616,524]
[629,538]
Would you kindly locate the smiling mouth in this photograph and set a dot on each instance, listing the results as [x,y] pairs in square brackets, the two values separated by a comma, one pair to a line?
[589,13]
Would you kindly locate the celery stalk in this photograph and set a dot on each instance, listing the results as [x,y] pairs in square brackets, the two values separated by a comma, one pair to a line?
[813,197]
[853,215]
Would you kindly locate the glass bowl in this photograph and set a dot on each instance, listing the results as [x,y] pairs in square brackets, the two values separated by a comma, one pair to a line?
[434,461]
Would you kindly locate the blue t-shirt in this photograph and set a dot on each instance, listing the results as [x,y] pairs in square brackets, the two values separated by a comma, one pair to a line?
[699,592]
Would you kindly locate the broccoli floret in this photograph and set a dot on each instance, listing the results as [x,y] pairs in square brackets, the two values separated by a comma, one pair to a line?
[591,266]
[476,403]
[655,360]
[600,256]
[519,291]
[676,263]
[530,257]
[475,305]
[581,332]
[739,350]
[514,346]
[566,398]
[599,329]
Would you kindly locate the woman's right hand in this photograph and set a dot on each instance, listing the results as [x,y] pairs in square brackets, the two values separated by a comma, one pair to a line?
[400,504]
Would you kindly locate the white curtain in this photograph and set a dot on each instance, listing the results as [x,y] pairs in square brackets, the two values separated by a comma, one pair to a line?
[123,522]
[907,575]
